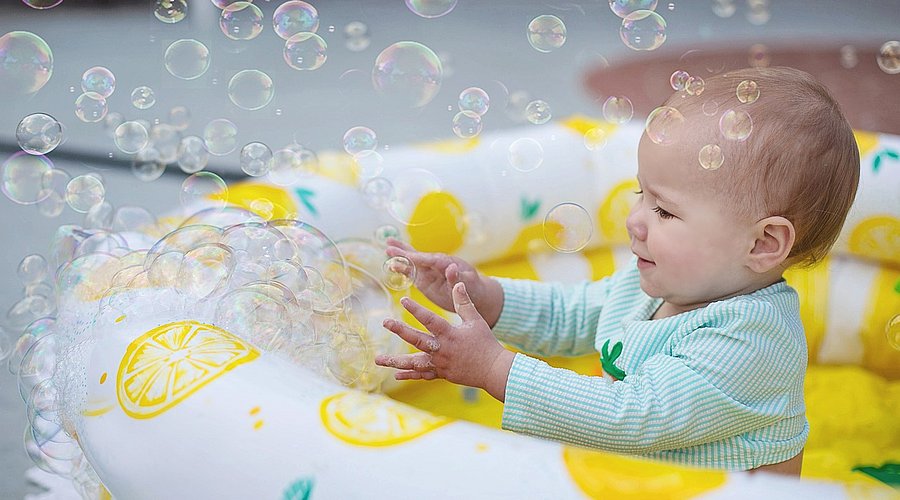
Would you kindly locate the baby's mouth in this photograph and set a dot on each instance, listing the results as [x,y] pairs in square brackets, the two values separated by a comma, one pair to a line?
[643,263]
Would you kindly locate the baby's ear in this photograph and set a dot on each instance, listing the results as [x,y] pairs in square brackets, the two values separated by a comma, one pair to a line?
[774,241]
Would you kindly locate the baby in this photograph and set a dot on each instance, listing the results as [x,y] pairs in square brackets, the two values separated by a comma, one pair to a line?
[700,337]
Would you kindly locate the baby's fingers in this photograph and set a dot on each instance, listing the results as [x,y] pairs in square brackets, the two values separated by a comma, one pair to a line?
[420,340]
[419,362]
[434,323]
[415,376]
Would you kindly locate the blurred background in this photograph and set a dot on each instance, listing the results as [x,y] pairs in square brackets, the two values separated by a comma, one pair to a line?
[327,88]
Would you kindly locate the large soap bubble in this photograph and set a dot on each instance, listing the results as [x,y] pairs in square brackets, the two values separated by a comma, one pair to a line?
[567,227]
[38,134]
[664,124]
[23,178]
[408,73]
[546,33]
[26,63]
[295,17]
[187,59]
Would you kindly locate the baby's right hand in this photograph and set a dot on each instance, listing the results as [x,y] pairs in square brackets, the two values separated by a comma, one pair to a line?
[436,273]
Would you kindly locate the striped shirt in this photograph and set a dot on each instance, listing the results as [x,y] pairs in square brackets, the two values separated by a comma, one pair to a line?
[718,387]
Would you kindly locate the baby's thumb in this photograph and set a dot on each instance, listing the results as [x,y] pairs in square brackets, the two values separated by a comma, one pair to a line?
[463,303]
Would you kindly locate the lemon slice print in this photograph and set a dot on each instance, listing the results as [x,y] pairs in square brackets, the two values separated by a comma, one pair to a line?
[877,237]
[615,209]
[370,420]
[167,364]
[437,223]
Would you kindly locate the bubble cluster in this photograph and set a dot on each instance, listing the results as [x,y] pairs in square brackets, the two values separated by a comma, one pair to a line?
[538,112]
[664,124]
[466,124]
[187,59]
[295,17]
[100,80]
[170,11]
[643,30]
[618,109]
[26,62]
[888,57]
[251,89]
[711,156]
[546,33]
[305,51]
[735,125]
[38,134]
[408,74]
[241,21]
[747,91]
[430,9]
[475,100]
[567,227]
[256,159]
[90,107]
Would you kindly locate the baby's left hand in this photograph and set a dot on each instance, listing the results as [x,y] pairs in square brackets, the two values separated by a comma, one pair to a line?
[466,354]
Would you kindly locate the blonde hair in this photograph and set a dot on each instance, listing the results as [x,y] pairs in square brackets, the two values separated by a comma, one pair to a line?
[801,160]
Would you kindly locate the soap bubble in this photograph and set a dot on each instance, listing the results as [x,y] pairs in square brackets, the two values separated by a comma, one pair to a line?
[32,269]
[618,109]
[664,124]
[84,191]
[100,80]
[251,89]
[180,118]
[256,159]
[467,124]
[377,192]
[305,51]
[724,8]
[735,125]
[38,134]
[111,121]
[204,188]
[408,73]
[398,273]
[204,270]
[546,33]
[711,156]
[192,154]
[23,178]
[892,332]
[287,167]
[695,85]
[888,57]
[643,30]
[431,8]
[42,4]
[26,62]
[131,137]
[474,99]
[39,363]
[679,79]
[220,136]
[622,8]
[368,164]
[385,231]
[538,112]
[759,56]
[90,107]
[187,59]
[358,139]
[525,154]
[410,186]
[241,21]
[146,165]
[357,35]
[100,216]
[143,97]
[165,139]
[710,108]
[595,139]
[295,17]
[170,11]
[567,227]
[747,91]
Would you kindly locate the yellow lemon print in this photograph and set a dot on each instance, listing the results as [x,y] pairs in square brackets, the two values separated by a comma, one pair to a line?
[269,202]
[878,238]
[582,124]
[865,141]
[615,209]
[371,420]
[167,364]
[602,475]
[437,223]
[452,146]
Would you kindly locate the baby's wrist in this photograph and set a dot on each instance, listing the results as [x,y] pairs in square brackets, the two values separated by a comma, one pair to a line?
[492,302]
[498,374]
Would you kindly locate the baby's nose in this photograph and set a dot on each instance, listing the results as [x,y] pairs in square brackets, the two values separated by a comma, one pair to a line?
[636,227]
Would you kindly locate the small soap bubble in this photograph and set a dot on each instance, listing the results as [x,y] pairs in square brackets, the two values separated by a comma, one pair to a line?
[710,108]
[377,192]
[408,74]
[398,273]
[735,125]
[32,269]
[474,99]
[251,89]
[165,138]
[100,216]
[595,139]
[525,154]
[23,178]
[849,58]
[892,332]
[359,139]
[131,137]
[664,124]
[143,97]
[567,227]
[295,17]
[90,107]
[467,124]
[355,29]
[52,206]
[618,109]
[204,188]
[39,134]
[368,164]
[711,156]
[180,118]
[241,21]
[111,122]
[888,57]
[287,167]
[679,79]
[643,30]
[747,91]
[382,233]
[758,56]
[430,9]
[695,85]
[55,180]
[758,13]
[256,159]
[358,43]
[170,11]
[622,8]
[42,4]
[724,8]
[546,33]
[146,165]
[538,112]
[83,192]
[305,51]
[100,80]
[220,136]
[187,59]
[192,155]
[26,62]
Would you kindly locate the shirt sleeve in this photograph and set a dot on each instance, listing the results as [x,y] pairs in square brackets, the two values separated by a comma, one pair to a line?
[551,319]
[716,384]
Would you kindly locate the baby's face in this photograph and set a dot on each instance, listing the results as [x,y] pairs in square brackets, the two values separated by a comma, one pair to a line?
[691,248]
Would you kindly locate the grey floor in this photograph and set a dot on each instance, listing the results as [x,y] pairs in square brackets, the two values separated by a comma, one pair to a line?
[480,42]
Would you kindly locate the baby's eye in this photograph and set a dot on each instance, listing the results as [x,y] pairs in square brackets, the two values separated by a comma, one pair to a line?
[662,213]
[639,191]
